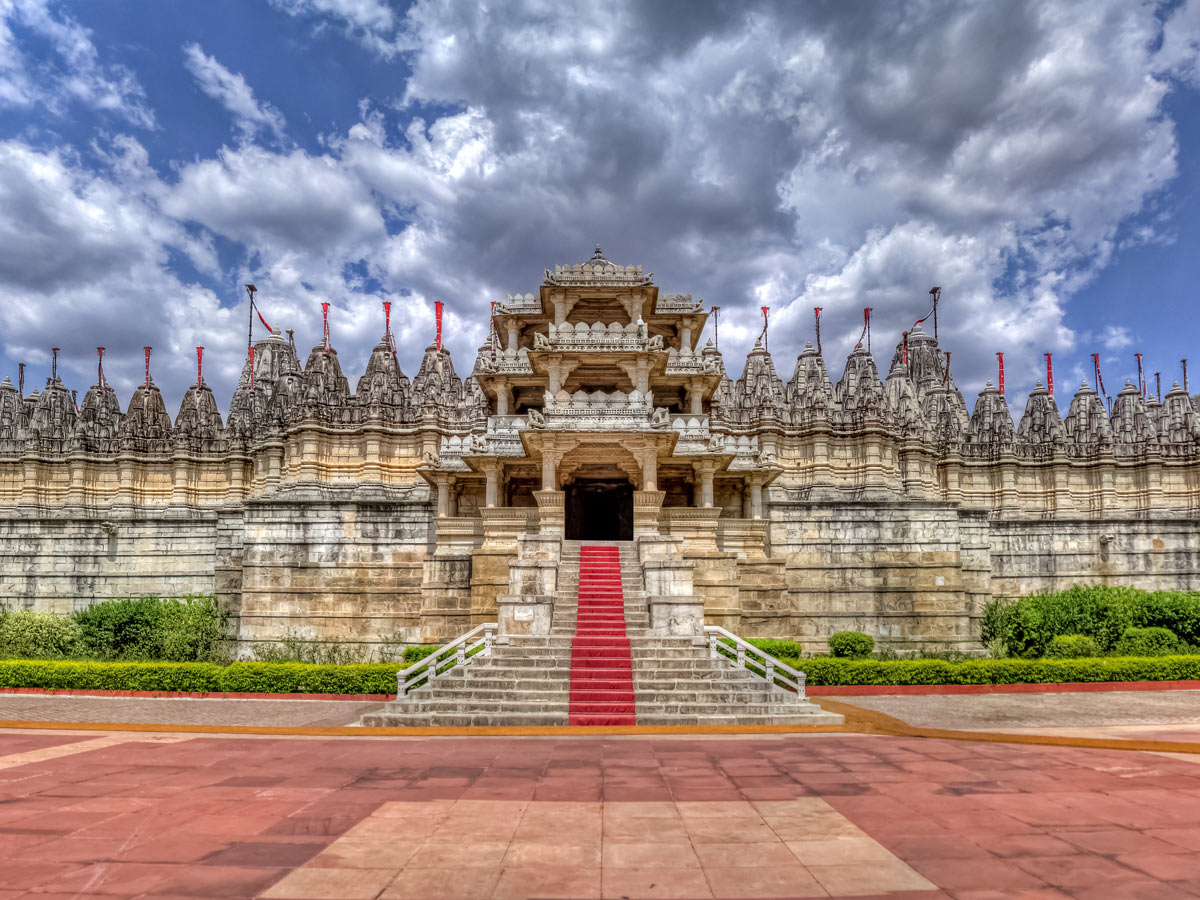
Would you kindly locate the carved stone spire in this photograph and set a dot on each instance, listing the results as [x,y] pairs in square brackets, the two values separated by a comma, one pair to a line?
[198,426]
[12,419]
[1086,425]
[325,391]
[99,425]
[1041,430]
[146,426]
[927,369]
[900,400]
[52,423]
[436,390]
[758,394]
[383,389]
[1178,431]
[991,429]
[859,393]
[1133,430]
[809,394]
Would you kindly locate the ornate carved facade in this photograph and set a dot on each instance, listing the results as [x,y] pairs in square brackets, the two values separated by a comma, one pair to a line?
[596,410]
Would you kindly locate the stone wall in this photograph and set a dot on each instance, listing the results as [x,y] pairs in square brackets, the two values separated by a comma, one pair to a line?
[58,561]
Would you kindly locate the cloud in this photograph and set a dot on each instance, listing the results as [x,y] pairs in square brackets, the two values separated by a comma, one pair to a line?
[793,155]
[230,89]
[71,72]
[371,22]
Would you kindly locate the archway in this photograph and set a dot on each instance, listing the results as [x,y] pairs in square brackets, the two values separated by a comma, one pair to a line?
[599,509]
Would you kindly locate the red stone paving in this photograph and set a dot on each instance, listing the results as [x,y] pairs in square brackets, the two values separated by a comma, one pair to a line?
[233,817]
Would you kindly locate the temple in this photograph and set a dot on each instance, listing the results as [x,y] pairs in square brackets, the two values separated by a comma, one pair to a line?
[596,411]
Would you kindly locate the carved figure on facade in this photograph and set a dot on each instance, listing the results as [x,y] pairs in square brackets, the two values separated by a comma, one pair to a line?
[98,426]
[146,427]
[990,431]
[1041,431]
[1133,431]
[1086,425]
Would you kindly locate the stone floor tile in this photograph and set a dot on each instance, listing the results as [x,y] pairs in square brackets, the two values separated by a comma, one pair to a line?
[654,830]
[1010,845]
[452,856]
[109,878]
[218,881]
[522,854]
[737,831]
[1182,866]
[676,855]
[717,810]
[960,874]
[839,850]
[741,855]
[640,810]
[1115,840]
[323,884]
[459,883]
[348,853]
[265,853]
[657,883]
[875,877]
[768,881]
[578,883]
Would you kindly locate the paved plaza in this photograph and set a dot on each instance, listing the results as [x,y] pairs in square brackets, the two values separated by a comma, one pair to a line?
[134,814]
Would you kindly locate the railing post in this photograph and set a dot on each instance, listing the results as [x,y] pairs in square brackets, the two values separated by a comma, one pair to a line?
[741,657]
[712,646]
[800,683]
[487,641]
[461,656]
[769,666]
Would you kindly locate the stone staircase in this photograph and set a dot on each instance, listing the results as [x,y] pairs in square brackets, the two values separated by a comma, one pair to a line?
[527,678]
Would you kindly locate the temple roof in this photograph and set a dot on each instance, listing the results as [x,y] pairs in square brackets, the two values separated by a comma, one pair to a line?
[598,271]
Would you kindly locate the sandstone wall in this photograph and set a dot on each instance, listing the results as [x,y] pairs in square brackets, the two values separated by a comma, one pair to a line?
[61,560]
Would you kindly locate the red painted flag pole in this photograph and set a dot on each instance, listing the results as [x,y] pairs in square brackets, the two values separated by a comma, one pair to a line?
[199,367]
[437,311]
[1141,376]
[1050,374]
[325,325]
[100,367]
[817,317]
[147,349]
[1000,357]
[252,367]
[765,311]
[21,379]
[53,364]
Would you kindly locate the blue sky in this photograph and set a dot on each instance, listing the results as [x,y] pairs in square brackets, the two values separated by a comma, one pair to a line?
[1040,161]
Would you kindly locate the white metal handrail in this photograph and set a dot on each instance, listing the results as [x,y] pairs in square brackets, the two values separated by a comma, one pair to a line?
[767,667]
[445,658]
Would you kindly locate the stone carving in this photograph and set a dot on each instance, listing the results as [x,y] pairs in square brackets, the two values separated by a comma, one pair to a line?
[97,429]
[1133,431]
[655,344]
[198,425]
[52,422]
[809,394]
[1086,425]
[540,341]
[383,390]
[1041,430]
[536,419]
[900,400]
[660,418]
[146,427]
[758,394]
[716,443]
[598,271]
[12,419]
[1178,430]
[859,393]
[990,431]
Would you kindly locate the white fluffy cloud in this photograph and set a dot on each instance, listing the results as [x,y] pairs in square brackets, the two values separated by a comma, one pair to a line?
[793,155]
[71,73]
[250,115]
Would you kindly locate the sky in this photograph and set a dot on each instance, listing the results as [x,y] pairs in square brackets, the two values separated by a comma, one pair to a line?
[1039,161]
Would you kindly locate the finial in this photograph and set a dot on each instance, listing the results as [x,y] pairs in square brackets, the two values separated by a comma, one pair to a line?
[437,309]
[325,327]
[53,364]
[147,349]
[199,367]
[100,367]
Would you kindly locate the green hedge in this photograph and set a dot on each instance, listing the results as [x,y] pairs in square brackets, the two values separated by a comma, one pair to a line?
[247,677]
[1026,626]
[829,670]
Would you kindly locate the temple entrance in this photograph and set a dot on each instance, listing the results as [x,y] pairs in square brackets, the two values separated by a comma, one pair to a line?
[599,510]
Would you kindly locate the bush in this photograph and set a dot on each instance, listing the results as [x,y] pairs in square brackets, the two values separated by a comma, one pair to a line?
[1147,642]
[1073,646]
[34,635]
[851,644]
[292,648]
[184,629]
[827,670]
[418,653]
[1026,626]
[265,678]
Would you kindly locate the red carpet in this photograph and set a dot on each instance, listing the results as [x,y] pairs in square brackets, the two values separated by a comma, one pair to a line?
[601,665]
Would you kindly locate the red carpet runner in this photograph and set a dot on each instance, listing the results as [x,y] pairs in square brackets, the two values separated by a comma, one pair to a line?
[601,665]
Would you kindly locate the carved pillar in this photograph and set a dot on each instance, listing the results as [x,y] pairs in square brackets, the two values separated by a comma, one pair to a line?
[551,512]
[443,496]
[503,398]
[696,396]
[704,470]
[513,325]
[549,462]
[756,504]
[685,343]
[492,491]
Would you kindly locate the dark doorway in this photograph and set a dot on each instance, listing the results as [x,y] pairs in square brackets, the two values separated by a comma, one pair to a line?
[599,510]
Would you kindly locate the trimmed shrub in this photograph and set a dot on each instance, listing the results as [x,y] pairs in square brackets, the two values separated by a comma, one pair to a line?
[184,629]
[418,653]
[1147,642]
[110,676]
[301,678]
[781,649]
[34,635]
[851,644]
[828,670]
[1073,646]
